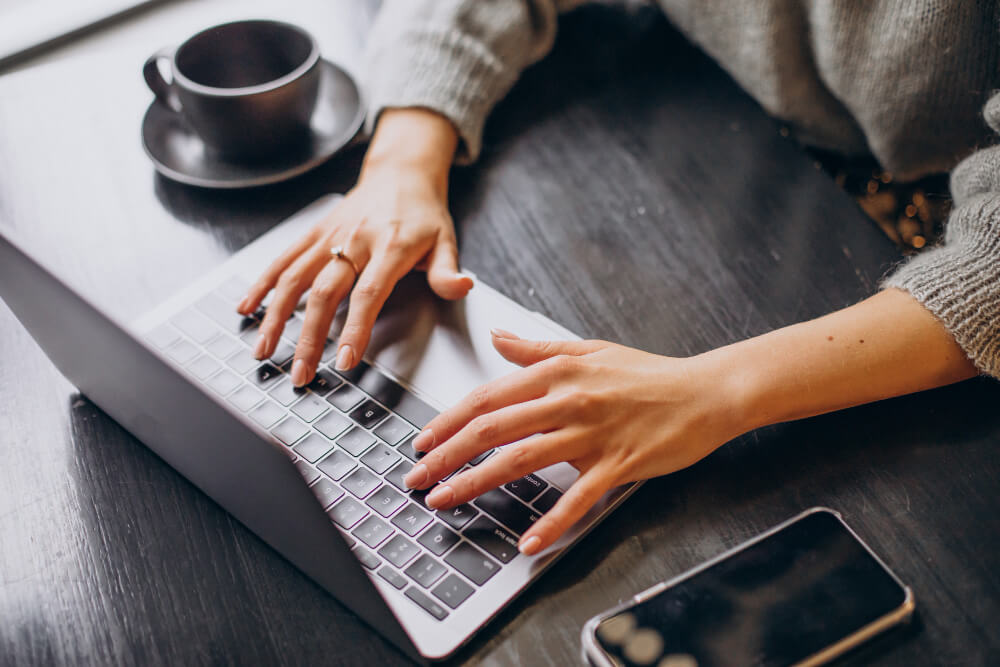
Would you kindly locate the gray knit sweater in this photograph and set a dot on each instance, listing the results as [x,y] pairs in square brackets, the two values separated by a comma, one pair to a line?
[904,80]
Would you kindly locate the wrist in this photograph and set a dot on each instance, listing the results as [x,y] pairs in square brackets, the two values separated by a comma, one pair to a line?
[413,139]
[739,386]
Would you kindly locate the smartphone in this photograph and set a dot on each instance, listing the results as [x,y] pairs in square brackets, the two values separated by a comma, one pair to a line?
[801,593]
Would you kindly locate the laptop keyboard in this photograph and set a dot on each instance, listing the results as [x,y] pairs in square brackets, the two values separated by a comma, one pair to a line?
[349,434]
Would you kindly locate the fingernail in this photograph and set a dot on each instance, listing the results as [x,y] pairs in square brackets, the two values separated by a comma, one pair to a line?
[260,348]
[416,477]
[299,373]
[345,358]
[529,546]
[506,335]
[241,307]
[423,441]
[441,495]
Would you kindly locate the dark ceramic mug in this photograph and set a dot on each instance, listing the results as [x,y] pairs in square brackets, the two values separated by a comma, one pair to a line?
[247,88]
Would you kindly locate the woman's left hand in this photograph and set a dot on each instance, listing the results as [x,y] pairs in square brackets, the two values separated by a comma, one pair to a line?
[615,413]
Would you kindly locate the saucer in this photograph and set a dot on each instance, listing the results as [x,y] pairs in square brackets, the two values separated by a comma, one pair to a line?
[180,155]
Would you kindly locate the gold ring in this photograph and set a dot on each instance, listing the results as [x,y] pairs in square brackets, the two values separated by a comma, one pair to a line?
[338,253]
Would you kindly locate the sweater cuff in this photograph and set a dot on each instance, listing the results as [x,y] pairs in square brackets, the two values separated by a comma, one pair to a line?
[959,282]
[444,71]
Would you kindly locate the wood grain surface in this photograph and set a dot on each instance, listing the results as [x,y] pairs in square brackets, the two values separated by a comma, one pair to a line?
[630,191]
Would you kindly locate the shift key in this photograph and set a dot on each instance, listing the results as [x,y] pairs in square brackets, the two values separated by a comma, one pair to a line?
[507,510]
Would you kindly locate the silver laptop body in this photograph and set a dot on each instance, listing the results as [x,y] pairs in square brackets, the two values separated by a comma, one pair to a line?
[316,474]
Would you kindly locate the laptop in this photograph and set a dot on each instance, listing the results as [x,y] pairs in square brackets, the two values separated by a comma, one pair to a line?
[317,473]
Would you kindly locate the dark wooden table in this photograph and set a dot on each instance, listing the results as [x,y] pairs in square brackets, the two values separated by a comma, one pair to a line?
[628,190]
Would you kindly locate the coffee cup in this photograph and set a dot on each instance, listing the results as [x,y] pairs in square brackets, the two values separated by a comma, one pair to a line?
[247,88]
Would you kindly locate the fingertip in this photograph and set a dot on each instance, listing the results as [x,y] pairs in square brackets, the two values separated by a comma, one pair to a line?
[530,545]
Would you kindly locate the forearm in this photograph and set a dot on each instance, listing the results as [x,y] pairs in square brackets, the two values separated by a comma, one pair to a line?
[885,346]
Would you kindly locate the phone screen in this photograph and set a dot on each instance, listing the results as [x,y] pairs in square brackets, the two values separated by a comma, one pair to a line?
[776,602]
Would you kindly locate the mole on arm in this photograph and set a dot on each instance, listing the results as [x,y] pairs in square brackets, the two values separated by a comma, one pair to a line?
[829,337]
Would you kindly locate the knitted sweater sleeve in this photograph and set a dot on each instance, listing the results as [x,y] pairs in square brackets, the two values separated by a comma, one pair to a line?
[959,281]
[456,57]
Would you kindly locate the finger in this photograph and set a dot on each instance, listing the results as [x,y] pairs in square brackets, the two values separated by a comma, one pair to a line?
[580,497]
[267,280]
[526,352]
[327,291]
[483,433]
[295,280]
[518,387]
[442,269]
[510,463]
[369,294]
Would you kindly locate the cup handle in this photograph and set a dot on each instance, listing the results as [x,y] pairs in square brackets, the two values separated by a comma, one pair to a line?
[163,89]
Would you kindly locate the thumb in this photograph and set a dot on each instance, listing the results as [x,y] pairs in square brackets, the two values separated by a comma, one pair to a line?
[526,352]
[442,270]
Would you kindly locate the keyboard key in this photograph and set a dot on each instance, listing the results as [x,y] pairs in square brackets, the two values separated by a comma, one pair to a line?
[480,458]
[336,465]
[392,430]
[356,441]
[233,289]
[347,512]
[265,375]
[246,397]
[289,431]
[163,335]
[285,392]
[308,472]
[329,351]
[293,327]
[526,488]
[386,500]
[411,520]
[472,563]
[326,492]
[380,458]
[372,531]
[427,604]
[547,500]
[425,571]
[396,475]
[204,366]
[332,425]
[407,450]
[323,382]
[504,508]
[399,551]
[453,591]
[393,577]
[345,397]
[223,347]
[267,413]
[242,362]
[391,394]
[361,482]
[492,539]
[457,516]
[195,325]
[224,381]
[369,413]
[310,407]
[438,539]
[348,540]
[182,351]
[367,558]
[250,334]
[282,354]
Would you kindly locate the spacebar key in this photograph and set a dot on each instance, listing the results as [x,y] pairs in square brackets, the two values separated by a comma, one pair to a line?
[507,510]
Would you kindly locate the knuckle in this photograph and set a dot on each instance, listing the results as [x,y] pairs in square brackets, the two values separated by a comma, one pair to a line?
[479,399]
[352,330]
[484,428]
[522,457]
[366,290]
[578,401]
[323,291]
[307,343]
[288,281]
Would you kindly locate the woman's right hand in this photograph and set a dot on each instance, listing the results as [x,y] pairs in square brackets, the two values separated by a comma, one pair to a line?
[394,220]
